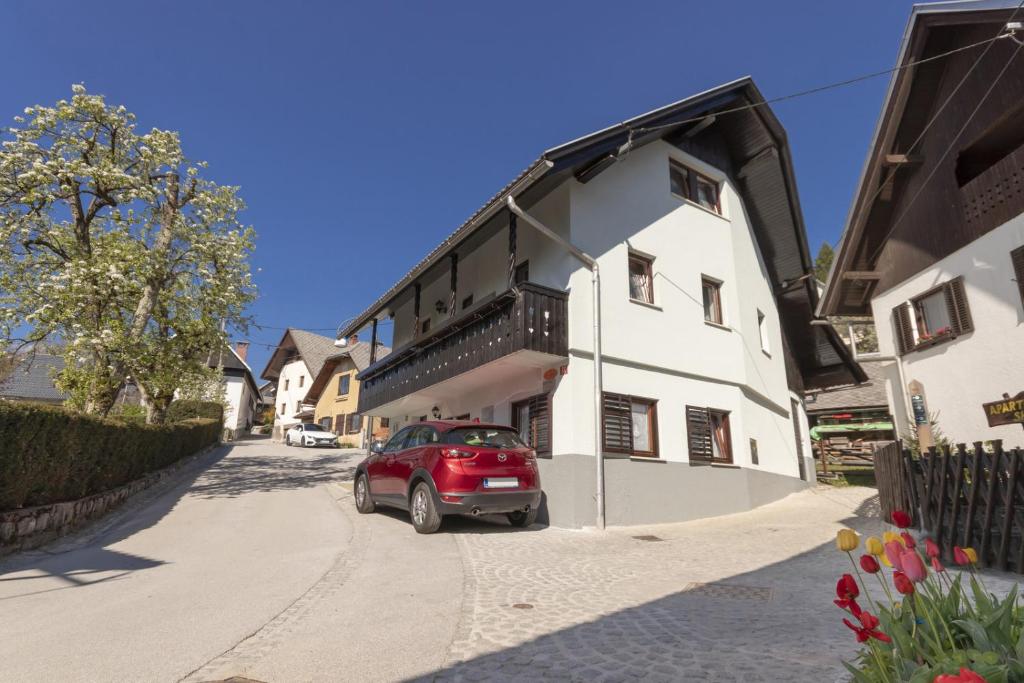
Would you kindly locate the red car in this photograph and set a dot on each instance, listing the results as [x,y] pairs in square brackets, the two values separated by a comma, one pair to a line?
[441,468]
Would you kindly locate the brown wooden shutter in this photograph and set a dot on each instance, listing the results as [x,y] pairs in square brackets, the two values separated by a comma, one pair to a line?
[1017,257]
[956,303]
[904,332]
[540,422]
[339,424]
[698,433]
[618,424]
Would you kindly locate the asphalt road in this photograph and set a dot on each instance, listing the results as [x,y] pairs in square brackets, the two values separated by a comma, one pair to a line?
[251,562]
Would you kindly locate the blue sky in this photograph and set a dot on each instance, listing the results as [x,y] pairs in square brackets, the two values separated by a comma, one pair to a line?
[363,134]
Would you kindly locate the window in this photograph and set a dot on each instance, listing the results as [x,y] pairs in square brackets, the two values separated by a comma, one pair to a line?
[467,302]
[397,442]
[385,422]
[325,423]
[344,383]
[712,295]
[1017,258]
[762,331]
[691,185]
[630,425]
[339,424]
[491,437]
[531,418]
[421,436]
[302,378]
[283,408]
[425,327]
[939,315]
[753,452]
[522,273]
[355,423]
[707,434]
[286,384]
[641,279]
[298,406]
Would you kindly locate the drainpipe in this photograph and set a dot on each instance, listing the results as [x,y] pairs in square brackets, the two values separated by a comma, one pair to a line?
[595,283]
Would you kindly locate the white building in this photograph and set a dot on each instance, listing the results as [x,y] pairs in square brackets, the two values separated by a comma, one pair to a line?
[241,395]
[692,216]
[933,248]
[294,364]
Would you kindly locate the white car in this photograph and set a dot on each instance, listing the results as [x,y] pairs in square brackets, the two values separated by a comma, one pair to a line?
[310,435]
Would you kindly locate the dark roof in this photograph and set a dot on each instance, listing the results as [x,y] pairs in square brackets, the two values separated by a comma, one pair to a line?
[233,365]
[358,353]
[313,348]
[32,379]
[870,394]
[844,296]
[759,154]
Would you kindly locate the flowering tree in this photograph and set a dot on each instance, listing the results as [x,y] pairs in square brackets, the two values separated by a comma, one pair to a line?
[113,243]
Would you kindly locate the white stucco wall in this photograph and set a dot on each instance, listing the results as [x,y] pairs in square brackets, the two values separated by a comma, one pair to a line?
[290,375]
[976,368]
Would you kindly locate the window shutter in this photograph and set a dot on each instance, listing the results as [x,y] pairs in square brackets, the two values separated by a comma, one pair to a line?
[540,422]
[1017,257]
[618,424]
[355,423]
[698,433]
[339,424]
[956,302]
[904,333]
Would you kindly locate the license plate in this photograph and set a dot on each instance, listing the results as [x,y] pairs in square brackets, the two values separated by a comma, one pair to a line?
[501,483]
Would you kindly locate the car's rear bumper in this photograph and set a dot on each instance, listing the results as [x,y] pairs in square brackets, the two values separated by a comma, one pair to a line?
[489,502]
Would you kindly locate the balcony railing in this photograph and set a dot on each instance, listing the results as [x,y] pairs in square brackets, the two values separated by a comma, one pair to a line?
[527,318]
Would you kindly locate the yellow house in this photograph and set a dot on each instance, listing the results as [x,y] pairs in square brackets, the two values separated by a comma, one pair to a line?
[334,393]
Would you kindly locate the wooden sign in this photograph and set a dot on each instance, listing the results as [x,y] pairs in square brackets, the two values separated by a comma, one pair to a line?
[1005,412]
[922,420]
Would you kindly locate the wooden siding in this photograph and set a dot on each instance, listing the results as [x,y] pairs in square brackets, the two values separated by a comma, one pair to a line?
[527,318]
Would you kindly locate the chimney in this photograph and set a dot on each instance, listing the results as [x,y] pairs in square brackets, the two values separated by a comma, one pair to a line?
[242,349]
[353,339]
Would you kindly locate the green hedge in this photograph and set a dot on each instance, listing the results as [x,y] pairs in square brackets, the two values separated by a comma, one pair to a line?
[49,454]
[187,410]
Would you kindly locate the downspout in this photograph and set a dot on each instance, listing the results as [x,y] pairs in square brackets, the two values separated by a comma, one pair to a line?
[595,282]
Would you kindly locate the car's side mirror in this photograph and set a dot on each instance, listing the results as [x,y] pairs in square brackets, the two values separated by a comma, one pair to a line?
[377,447]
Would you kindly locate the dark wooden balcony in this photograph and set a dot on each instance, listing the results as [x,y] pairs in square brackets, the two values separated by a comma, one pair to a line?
[527,318]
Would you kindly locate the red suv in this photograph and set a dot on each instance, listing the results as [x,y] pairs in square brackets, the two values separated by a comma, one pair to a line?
[434,469]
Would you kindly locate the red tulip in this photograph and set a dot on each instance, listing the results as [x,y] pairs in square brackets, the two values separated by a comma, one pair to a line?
[893,549]
[868,628]
[908,540]
[869,564]
[902,583]
[959,556]
[965,676]
[901,519]
[931,547]
[847,592]
[937,566]
[913,566]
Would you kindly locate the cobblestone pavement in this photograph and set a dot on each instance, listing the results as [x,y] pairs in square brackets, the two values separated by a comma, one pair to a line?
[746,597]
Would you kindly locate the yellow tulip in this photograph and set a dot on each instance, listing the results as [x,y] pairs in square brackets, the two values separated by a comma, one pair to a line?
[873,545]
[847,540]
[972,555]
[885,560]
[889,536]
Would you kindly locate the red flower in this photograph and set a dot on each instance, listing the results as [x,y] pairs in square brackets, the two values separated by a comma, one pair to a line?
[901,519]
[902,583]
[965,676]
[869,564]
[931,548]
[937,566]
[913,566]
[868,628]
[908,540]
[847,592]
[960,557]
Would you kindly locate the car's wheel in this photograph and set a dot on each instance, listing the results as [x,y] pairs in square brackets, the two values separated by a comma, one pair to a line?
[364,503]
[423,510]
[522,519]
[287,440]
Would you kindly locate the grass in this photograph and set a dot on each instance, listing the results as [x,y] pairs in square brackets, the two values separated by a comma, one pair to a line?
[850,475]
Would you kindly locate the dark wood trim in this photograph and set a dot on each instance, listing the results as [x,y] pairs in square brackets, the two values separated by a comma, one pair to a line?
[373,343]
[691,182]
[513,246]
[454,284]
[648,267]
[542,402]
[619,407]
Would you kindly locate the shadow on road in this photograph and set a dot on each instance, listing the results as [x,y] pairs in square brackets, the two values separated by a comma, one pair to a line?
[288,468]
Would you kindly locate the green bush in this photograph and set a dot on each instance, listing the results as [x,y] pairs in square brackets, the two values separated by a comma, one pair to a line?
[189,409]
[50,454]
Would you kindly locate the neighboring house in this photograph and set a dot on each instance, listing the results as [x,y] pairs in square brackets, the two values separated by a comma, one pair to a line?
[334,393]
[933,247]
[851,419]
[293,365]
[268,394]
[707,295]
[241,394]
[31,379]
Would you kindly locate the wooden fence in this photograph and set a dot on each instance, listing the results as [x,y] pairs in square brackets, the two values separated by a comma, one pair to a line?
[893,481]
[967,497]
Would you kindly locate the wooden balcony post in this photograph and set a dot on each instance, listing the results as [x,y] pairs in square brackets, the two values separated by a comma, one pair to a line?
[416,310]
[455,281]
[373,342]
[512,246]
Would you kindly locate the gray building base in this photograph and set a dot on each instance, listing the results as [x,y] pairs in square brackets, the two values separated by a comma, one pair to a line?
[652,492]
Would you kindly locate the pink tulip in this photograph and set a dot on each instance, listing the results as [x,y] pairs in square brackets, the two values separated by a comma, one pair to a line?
[937,566]
[913,566]
[892,553]
[931,547]
[908,540]
[959,556]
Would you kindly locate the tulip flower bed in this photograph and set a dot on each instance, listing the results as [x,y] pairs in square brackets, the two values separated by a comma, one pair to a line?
[918,623]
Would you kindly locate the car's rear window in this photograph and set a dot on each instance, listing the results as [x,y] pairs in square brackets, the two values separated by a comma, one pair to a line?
[489,437]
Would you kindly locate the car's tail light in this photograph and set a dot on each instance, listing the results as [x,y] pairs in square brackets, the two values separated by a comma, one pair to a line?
[456,453]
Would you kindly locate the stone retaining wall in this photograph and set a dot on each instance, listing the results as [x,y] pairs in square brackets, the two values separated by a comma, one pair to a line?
[29,528]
